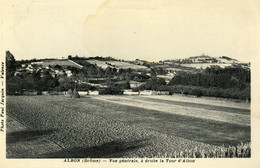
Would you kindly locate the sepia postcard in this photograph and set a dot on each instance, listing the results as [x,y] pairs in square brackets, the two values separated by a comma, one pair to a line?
[127,83]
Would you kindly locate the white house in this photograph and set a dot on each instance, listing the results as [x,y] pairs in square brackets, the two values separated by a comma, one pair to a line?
[68,72]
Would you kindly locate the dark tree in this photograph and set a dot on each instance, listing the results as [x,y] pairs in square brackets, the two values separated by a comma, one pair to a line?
[10,64]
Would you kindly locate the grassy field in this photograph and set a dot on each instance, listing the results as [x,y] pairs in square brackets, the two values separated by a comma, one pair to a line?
[126,65]
[115,64]
[131,126]
[59,62]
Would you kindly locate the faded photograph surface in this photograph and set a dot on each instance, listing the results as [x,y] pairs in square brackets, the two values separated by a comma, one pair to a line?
[129,79]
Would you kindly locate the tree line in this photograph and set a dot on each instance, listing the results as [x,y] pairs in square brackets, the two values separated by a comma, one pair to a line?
[229,77]
[229,82]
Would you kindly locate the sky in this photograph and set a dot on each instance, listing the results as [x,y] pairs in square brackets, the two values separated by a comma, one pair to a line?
[152,30]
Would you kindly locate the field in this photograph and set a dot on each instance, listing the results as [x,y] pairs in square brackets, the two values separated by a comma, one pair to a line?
[58,62]
[204,65]
[135,126]
[125,65]
[115,64]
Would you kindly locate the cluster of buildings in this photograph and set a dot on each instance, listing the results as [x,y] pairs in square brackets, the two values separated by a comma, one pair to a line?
[202,59]
[29,68]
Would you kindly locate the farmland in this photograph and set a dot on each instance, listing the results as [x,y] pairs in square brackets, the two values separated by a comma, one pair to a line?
[125,65]
[115,64]
[204,65]
[62,62]
[132,126]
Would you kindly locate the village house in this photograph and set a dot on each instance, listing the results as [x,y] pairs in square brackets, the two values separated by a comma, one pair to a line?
[21,71]
[135,84]
[48,67]
[30,68]
[59,72]
[68,72]
[23,65]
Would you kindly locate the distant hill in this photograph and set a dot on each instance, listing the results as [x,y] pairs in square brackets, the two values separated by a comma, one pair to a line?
[80,62]
[203,61]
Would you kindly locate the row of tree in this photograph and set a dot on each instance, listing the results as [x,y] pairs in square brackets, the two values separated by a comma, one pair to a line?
[229,82]
[229,77]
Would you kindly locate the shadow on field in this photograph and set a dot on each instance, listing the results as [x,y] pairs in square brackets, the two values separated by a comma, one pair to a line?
[107,150]
[27,135]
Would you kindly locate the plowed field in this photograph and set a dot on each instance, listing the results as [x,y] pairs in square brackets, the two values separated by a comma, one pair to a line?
[130,126]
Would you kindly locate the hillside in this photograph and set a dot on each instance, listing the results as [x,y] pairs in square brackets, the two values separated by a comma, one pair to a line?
[115,64]
[60,62]
[203,61]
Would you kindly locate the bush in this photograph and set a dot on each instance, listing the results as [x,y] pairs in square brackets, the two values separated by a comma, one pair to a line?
[85,87]
[196,91]
[112,90]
